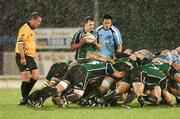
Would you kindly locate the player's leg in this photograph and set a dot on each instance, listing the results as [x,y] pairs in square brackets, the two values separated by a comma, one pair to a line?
[138,88]
[54,81]
[175,90]
[103,89]
[154,96]
[25,76]
[122,88]
[177,77]
[106,83]
[49,76]
[61,86]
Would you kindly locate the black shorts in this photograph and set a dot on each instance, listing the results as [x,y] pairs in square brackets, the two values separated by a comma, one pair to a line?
[174,84]
[132,76]
[151,82]
[30,63]
[75,76]
[57,70]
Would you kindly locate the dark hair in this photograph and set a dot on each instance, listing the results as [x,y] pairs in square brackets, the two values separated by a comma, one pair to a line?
[88,18]
[34,15]
[107,16]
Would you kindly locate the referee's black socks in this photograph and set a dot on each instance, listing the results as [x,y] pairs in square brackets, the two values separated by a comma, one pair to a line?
[31,85]
[26,88]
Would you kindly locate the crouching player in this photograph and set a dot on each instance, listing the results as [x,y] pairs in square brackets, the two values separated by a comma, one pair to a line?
[55,74]
[80,75]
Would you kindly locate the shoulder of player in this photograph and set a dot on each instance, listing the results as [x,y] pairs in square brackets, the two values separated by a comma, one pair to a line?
[79,31]
[24,27]
[95,33]
[77,34]
[114,29]
[99,28]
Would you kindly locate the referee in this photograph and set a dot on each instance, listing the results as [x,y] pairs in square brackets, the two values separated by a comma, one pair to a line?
[25,52]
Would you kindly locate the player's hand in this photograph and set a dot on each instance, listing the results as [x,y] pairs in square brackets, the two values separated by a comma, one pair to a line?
[95,42]
[23,61]
[82,41]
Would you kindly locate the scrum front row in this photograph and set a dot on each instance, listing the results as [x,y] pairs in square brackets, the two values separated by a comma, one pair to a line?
[97,80]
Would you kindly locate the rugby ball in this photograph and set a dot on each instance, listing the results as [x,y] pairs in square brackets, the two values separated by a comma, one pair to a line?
[90,38]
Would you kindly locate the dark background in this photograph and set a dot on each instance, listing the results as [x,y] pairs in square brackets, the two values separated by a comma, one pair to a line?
[150,24]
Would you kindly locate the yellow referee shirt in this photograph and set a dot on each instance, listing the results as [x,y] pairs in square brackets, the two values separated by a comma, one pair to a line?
[26,36]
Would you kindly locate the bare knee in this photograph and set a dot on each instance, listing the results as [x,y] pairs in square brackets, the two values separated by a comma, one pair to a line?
[157,92]
[103,89]
[122,88]
[25,76]
[35,74]
[138,88]
[35,77]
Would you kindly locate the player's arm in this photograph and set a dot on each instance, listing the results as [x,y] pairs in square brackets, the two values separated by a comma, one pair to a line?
[94,55]
[98,46]
[22,36]
[118,40]
[77,41]
[75,45]
[118,48]
[21,50]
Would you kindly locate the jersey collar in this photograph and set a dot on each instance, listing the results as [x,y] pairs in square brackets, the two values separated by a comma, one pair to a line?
[28,23]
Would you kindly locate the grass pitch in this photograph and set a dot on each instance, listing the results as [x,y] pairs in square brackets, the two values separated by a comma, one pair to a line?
[10,110]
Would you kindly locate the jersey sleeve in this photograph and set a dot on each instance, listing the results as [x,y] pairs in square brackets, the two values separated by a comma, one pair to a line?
[117,35]
[110,69]
[76,38]
[96,35]
[23,33]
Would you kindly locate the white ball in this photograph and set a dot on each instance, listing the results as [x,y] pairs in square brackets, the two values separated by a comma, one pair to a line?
[90,38]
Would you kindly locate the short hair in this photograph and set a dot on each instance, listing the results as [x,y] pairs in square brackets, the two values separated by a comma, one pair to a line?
[107,16]
[34,15]
[88,18]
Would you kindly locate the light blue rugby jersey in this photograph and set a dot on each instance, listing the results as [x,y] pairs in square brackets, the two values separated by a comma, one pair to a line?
[175,58]
[108,39]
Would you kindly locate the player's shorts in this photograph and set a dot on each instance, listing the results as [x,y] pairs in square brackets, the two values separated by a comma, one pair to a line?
[76,76]
[57,70]
[30,63]
[132,76]
[79,77]
[151,82]
[174,84]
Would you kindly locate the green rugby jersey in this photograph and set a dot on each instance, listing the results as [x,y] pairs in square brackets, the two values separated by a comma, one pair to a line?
[132,64]
[98,68]
[81,53]
[156,70]
[149,56]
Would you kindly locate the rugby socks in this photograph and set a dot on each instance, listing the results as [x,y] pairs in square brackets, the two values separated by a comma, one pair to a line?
[24,90]
[130,97]
[48,93]
[142,101]
[109,96]
[36,94]
[72,98]
[178,99]
[30,86]
[93,94]
[151,98]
